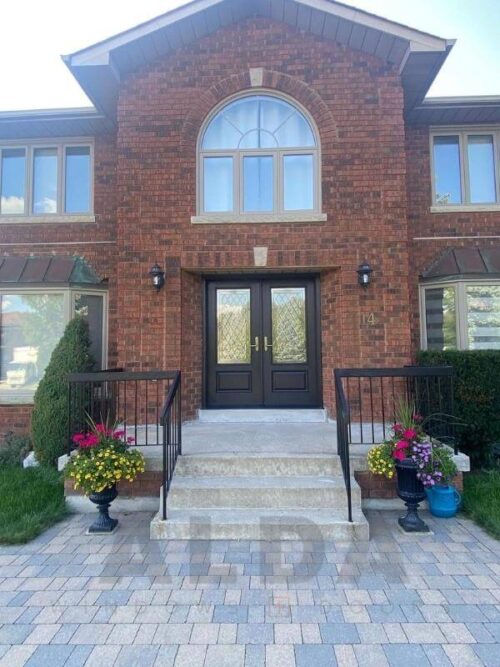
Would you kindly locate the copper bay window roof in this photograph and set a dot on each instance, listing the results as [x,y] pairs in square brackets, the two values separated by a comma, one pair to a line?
[51,270]
[465,262]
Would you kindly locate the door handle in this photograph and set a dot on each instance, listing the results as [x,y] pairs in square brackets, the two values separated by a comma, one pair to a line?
[267,345]
[256,345]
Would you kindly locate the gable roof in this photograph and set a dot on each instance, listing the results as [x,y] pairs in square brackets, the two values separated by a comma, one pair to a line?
[418,55]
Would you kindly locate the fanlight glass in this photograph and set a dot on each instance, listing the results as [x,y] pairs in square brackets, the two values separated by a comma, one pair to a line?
[258,122]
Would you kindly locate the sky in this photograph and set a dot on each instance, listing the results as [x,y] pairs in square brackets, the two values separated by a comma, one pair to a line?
[34,33]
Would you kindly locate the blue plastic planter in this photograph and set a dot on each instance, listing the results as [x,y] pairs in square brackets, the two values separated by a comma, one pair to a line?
[444,501]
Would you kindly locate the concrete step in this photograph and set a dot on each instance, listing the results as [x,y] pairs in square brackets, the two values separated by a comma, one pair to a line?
[259,464]
[191,493]
[257,524]
[262,416]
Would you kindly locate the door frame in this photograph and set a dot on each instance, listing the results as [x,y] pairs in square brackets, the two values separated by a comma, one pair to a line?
[228,277]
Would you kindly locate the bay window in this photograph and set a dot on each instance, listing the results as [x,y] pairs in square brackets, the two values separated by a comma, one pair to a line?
[46,179]
[32,322]
[462,315]
[465,168]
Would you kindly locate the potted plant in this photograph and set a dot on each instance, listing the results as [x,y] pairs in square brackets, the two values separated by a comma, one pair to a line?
[103,457]
[418,462]
[444,500]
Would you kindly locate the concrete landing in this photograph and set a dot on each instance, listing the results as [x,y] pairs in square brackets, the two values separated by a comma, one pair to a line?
[263,416]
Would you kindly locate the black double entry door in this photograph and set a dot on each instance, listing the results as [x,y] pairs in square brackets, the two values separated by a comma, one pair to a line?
[262,343]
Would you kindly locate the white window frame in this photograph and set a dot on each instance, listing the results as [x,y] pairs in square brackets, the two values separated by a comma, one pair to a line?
[278,214]
[463,132]
[461,310]
[69,295]
[60,145]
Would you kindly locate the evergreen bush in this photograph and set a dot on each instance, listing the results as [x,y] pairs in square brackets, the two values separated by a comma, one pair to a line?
[14,449]
[49,424]
[476,398]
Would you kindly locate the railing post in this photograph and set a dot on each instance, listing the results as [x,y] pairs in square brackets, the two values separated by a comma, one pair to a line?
[164,482]
[179,416]
[70,412]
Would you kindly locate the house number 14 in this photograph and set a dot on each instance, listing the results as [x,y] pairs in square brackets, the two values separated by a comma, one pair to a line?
[368,319]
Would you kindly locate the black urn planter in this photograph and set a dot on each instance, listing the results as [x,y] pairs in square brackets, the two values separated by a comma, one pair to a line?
[412,493]
[103,499]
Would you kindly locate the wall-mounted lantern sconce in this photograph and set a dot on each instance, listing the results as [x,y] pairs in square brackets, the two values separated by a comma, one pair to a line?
[158,276]
[364,274]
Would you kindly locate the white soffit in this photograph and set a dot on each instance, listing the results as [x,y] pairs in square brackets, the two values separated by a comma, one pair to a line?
[98,67]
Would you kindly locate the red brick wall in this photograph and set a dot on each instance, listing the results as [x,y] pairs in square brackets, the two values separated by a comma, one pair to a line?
[431,234]
[94,241]
[356,102]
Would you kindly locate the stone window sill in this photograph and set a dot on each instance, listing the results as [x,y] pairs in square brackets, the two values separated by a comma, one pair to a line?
[37,219]
[466,208]
[252,219]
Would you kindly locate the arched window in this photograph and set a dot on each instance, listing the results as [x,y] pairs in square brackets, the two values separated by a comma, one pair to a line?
[258,155]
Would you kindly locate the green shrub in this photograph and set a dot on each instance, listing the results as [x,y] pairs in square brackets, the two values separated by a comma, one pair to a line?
[477,398]
[14,449]
[49,424]
[482,499]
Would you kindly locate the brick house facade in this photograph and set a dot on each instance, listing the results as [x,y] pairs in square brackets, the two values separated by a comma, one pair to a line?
[365,97]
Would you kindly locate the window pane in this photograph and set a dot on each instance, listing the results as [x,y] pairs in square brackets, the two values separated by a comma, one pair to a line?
[45,180]
[30,328]
[483,322]
[233,326]
[218,184]
[220,134]
[295,133]
[259,121]
[77,196]
[440,318]
[258,182]
[258,139]
[243,114]
[13,181]
[480,152]
[298,182]
[288,312]
[447,170]
[90,306]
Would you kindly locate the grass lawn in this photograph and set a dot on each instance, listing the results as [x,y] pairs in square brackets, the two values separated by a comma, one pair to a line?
[30,501]
[482,499]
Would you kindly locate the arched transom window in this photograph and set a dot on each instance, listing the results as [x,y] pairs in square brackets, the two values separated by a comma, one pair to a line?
[259,155]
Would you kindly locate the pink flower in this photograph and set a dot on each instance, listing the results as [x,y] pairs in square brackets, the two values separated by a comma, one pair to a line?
[118,434]
[100,428]
[410,434]
[131,441]
[91,440]
[399,454]
[402,444]
[78,438]
[398,429]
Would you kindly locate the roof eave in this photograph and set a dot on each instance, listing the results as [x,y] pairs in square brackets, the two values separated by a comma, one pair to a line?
[98,67]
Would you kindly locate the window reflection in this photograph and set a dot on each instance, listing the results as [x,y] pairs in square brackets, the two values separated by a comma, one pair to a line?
[13,169]
[45,180]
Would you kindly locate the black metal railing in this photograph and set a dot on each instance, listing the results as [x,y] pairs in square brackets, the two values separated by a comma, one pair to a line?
[367,401]
[171,421]
[133,400]
[146,406]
